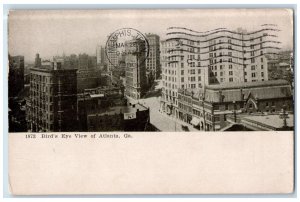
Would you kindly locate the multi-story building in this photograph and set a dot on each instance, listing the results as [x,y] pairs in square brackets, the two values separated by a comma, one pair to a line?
[153,59]
[16,75]
[53,98]
[135,74]
[210,108]
[192,59]
[87,79]
[101,58]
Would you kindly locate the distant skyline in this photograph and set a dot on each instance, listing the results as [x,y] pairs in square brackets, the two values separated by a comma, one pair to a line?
[52,33]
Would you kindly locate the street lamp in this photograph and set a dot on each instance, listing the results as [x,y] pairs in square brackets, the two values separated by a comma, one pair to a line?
[234,111]
[171,108]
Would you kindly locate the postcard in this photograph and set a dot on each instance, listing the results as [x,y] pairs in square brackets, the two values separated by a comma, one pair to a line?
[151,101]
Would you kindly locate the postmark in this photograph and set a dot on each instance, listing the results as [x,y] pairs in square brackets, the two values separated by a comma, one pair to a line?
[117,45]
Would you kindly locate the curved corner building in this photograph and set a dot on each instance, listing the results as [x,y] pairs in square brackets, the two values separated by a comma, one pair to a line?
[192,59]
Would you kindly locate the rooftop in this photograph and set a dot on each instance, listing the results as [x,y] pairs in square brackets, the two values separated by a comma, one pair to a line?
[248,84]
[273,121]
[122,110]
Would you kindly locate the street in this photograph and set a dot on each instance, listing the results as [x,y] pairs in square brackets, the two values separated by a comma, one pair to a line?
[160,120]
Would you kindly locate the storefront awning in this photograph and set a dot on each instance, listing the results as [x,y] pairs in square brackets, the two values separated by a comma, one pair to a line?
[195,121]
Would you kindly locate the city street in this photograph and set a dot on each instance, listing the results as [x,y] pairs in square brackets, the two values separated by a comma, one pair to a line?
[160,120]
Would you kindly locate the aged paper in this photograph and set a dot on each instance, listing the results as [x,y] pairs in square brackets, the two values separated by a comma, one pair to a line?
[147,163]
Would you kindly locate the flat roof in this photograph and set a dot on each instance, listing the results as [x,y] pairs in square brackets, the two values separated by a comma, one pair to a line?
[271,120]
[248,84]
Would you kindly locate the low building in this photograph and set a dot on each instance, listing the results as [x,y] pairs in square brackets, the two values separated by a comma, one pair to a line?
[120,118]
[209,108]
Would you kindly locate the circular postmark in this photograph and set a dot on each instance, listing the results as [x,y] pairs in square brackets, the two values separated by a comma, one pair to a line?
[126,41]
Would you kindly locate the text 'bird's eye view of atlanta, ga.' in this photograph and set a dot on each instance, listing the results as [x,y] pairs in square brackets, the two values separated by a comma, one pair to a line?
[195,70]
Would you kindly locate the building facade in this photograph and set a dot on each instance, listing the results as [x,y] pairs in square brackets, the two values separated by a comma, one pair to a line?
[192,59]
[135,73]
[15,75]
[52,104]
[153,59]
[210,108]
[101,58]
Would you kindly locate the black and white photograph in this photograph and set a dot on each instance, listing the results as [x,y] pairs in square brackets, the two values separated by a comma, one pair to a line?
[111,71]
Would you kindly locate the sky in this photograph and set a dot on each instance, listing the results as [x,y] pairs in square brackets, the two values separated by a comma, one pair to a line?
[51,33]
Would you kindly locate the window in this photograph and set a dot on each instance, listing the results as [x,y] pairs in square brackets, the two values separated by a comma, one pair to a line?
[230,53]
[193,86]
[253,67]
[192,78]
[253,75]
[199,78]
[252,60]
[199,71]
[221,67]
[230,60]
[252,53]
[262,74]
[230,79]
[182,72]
[181,65]
[230,73]
[262,59]
[230,66]
[252,46]
[182,79]
[192,71]
[221,73]
[216,74]
[262,66]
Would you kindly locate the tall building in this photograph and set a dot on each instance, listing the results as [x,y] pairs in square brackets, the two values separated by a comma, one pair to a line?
[192,59]
[153,59]
[135,74]
[37,61]
[101,58]
[112,57]
[53,98]
[16,75]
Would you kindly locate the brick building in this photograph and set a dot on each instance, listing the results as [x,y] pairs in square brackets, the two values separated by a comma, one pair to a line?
[209,108]
[52,104]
